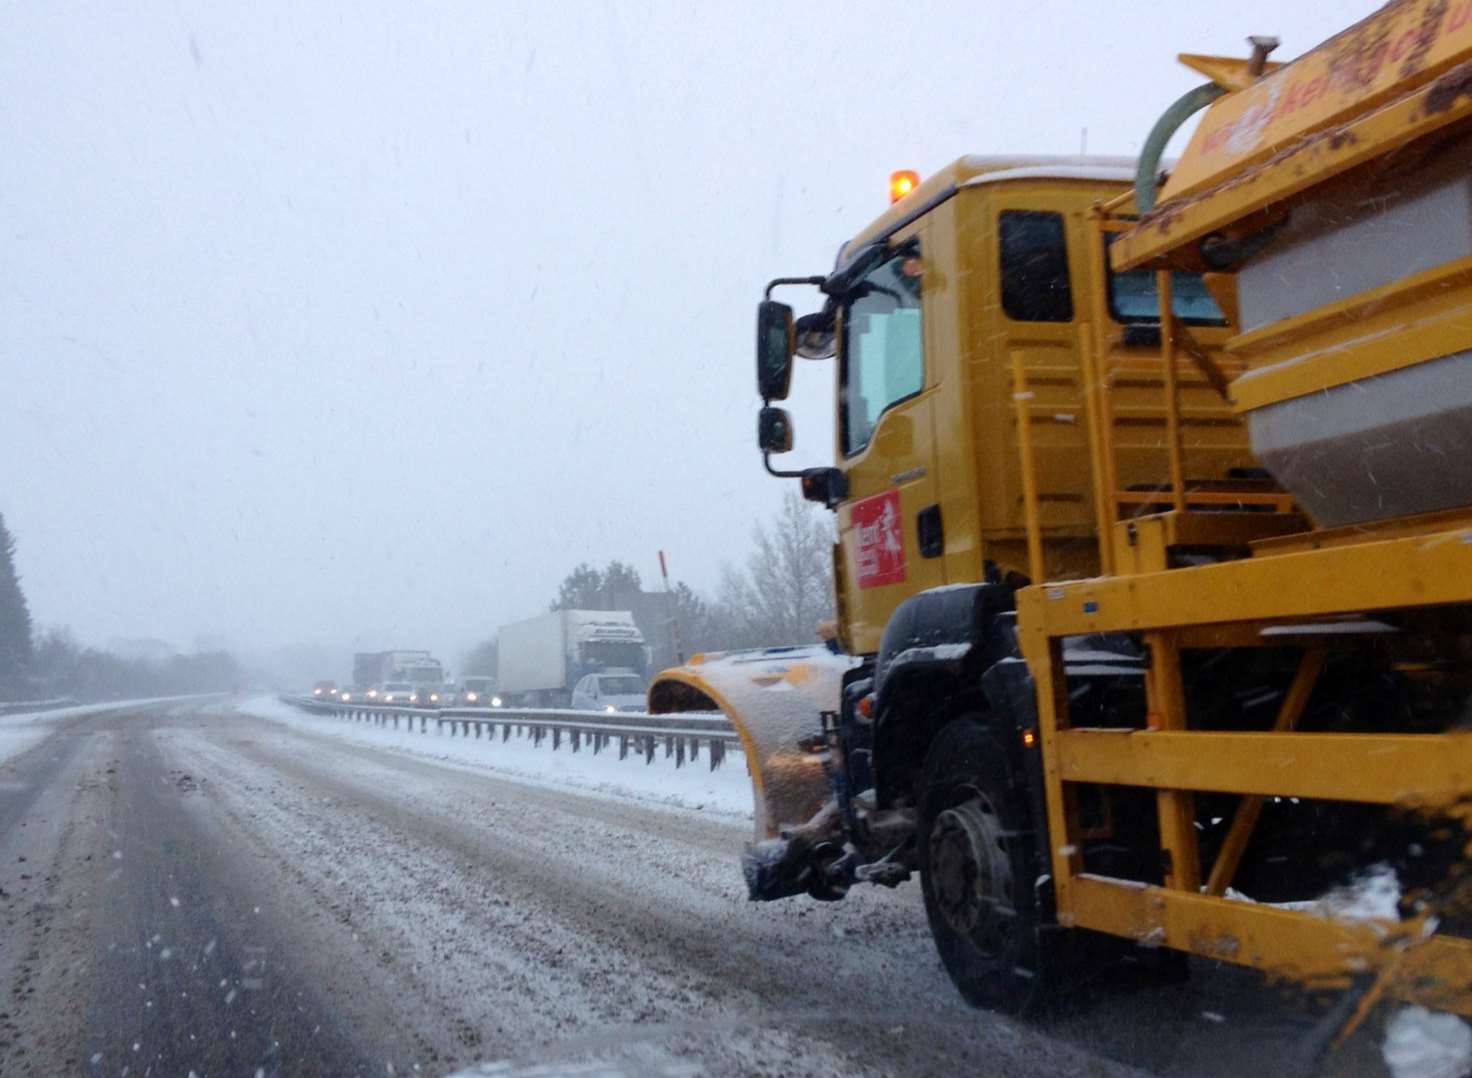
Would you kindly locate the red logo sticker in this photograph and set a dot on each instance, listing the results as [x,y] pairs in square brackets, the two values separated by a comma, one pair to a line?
[879,546]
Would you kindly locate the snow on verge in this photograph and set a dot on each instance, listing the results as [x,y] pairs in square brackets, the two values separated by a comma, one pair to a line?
[1424,1044]
[22,730]
[726,791]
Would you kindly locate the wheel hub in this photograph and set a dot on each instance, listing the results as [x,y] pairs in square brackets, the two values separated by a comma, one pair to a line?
[971,872]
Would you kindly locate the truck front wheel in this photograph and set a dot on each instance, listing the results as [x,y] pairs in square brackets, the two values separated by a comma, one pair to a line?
[978,869]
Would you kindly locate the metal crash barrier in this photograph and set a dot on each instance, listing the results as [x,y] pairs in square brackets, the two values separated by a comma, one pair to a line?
[681,737]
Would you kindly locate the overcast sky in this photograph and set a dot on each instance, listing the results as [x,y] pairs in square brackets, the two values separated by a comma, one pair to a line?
[364,324]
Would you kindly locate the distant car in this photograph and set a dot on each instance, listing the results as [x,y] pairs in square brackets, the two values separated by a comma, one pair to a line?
[326,689]
[609,692]
[398,692]
[479,692]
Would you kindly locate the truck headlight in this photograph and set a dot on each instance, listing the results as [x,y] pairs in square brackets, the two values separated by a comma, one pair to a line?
[495,701]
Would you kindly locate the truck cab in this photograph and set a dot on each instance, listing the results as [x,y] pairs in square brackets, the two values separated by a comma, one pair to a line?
[978,310]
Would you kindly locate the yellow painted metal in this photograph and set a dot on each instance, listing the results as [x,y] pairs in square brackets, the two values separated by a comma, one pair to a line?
[1172,392]
[1392,78]
[1314,950]
[1411,571]
[1063,849]
[1229,72]
[1165,697]
[1378,769]
[1244,820]
[1072,449]
[1175,224]
[773,699]
[956,444]
[1143,544]
[1022,398]
[1100,477]
[1427,524]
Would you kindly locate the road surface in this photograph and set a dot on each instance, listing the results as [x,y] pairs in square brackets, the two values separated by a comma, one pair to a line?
[186,889]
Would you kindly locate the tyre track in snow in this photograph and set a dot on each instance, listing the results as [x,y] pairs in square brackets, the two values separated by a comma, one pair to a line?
[373,912]
[548,923]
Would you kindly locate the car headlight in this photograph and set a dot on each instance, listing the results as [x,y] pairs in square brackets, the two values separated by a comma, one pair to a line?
[413,698]
[347,696]
[434,697]
[372,693]
[316,692]
[610,707]
[470,697]
[495,701]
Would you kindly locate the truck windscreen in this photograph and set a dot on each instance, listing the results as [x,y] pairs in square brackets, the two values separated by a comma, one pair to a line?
[611,653]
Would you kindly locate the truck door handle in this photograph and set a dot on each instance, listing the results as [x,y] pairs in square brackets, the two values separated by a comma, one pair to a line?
[929,532]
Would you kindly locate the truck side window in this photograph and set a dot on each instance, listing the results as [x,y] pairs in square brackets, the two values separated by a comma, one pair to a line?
[881,357]
[1035,285]
[1132,298]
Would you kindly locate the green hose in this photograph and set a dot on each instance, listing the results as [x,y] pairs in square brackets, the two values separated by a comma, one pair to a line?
[1186,106]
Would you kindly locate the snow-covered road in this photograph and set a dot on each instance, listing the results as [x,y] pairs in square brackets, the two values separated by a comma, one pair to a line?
[196,888]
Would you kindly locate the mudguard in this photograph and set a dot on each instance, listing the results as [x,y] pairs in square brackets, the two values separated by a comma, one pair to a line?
[774,698]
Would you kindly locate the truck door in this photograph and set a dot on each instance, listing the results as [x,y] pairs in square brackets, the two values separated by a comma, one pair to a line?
[889,526]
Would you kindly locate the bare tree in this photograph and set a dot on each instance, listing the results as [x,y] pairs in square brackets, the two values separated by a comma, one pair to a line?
[786,587]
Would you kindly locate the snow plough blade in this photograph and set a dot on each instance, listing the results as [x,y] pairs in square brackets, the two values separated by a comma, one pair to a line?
[774,698]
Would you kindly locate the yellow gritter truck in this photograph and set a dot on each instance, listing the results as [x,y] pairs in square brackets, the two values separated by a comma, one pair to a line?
[1154,564]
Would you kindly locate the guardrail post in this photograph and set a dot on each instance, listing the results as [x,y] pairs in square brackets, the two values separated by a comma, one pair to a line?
[649,749]
[679,752]
[717,753]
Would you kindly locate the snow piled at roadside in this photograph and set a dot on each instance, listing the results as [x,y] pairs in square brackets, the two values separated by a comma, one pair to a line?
[726,791]
[1424,1044]
[22,730]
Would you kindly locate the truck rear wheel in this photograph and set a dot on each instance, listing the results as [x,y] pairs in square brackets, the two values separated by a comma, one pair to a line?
[978,869]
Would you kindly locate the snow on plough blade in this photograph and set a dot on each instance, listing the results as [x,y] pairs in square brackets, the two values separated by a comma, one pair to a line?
[775,698]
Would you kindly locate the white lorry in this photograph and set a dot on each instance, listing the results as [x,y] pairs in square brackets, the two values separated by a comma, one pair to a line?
[541,659]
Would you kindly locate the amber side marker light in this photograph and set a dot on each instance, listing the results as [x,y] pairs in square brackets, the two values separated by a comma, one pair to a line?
[1028,739]
[901,183]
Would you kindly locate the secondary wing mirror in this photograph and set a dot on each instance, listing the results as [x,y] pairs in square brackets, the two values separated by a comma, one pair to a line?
[774,347]
[774,430]
[814,335]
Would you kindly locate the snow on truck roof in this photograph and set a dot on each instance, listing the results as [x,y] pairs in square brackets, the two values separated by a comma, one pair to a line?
[974,170]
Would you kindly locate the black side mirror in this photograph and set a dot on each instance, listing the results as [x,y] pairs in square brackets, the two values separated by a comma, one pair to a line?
[826,485]
[774,430]
[774,346]
[814,334]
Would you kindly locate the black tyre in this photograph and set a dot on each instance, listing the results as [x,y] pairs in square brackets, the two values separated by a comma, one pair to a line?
[978,869]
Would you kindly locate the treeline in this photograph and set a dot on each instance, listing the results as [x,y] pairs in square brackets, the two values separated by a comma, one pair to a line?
[53,664]
[61,667]
[777,595]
